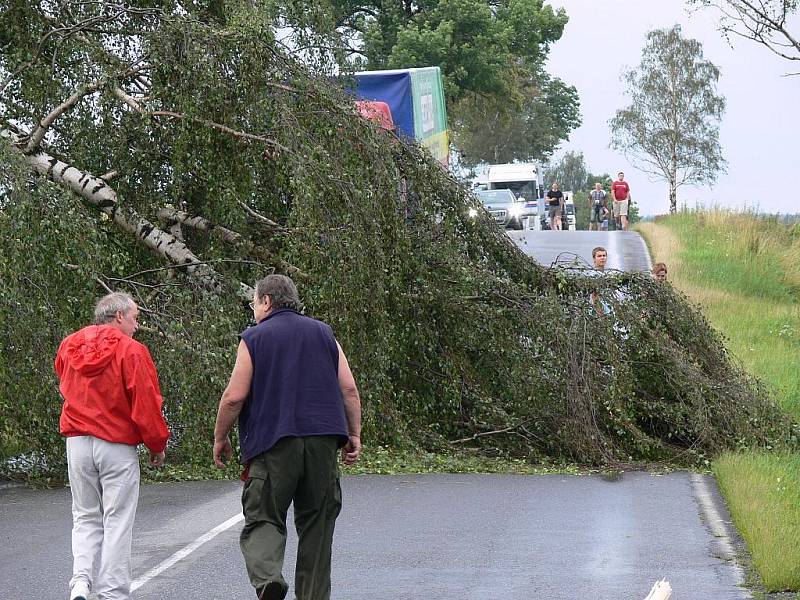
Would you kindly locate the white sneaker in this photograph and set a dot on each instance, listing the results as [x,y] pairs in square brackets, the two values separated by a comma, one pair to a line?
[80,591]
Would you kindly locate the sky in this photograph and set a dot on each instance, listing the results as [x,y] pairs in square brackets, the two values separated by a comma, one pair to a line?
[759,132]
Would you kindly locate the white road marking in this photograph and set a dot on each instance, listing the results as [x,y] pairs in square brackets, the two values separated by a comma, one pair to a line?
[184,552]
[717,526]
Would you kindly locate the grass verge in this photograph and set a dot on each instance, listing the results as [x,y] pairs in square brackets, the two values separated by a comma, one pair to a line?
[763,494]
[744,272]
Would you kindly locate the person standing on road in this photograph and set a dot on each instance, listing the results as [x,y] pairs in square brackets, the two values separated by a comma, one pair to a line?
[598,205]
[555,200]
[297,404]
[621,195]
[600,258]
[112,402]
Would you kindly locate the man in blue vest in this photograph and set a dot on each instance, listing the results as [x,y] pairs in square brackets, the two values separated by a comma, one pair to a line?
[297,404]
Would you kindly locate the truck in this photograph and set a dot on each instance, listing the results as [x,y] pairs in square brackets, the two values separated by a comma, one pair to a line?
[524,180]
[415,102]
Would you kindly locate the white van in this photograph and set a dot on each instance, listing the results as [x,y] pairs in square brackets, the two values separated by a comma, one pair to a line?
[523,180]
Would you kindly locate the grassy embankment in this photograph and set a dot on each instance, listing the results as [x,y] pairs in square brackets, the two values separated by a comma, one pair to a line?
[744,272]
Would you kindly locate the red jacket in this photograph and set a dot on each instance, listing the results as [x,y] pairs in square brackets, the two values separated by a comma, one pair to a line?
[110,388]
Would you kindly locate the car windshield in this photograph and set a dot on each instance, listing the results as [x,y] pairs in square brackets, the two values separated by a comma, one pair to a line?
[495,196]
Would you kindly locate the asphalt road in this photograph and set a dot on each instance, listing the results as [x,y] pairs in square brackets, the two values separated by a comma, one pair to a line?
[626,249]
[443,537]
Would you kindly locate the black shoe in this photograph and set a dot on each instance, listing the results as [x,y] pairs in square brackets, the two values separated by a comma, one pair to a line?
[272,591]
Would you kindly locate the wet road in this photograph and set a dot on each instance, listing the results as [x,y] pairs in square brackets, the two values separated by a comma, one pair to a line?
[626,249]
[443,537]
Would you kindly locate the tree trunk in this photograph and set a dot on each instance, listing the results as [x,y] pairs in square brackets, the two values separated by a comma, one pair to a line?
[673,198]
[673,181]
[99,194]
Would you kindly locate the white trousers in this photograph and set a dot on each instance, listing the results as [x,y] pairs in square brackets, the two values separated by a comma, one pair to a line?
[104,479]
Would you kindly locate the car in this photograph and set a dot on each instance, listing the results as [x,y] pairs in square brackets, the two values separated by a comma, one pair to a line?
[504,207]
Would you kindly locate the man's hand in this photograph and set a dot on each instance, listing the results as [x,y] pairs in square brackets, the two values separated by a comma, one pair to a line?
[351,450]
[157,458]
[222,451]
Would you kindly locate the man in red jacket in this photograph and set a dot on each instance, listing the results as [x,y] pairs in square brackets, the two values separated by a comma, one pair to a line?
[112,403]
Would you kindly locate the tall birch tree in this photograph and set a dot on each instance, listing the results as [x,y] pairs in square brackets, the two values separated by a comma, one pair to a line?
[670,129]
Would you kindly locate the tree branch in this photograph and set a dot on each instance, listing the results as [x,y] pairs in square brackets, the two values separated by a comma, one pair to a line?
[130,101]
[495,432]
[228,235]
[261,218]
[96,192]
[41,129]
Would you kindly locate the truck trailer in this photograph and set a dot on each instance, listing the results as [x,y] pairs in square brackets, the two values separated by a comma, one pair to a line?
[415,99]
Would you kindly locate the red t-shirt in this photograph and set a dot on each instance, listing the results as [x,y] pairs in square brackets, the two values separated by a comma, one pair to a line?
[620,190]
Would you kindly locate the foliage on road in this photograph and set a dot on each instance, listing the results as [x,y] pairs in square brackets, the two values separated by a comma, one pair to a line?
[457,339]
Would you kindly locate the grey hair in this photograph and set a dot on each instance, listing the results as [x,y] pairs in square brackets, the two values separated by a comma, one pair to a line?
[281,291]
[108,306]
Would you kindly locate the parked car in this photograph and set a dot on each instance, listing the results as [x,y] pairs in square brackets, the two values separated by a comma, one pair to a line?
[504,207]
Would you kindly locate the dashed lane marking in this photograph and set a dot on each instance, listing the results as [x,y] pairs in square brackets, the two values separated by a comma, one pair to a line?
[184,552]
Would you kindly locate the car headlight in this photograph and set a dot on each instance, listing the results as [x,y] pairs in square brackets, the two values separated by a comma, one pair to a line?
[473,212]
[515,210]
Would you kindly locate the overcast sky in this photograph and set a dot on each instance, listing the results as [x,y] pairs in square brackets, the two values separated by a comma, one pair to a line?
[760,131]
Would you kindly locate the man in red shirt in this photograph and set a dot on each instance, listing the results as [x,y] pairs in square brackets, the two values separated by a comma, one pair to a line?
[112,403]
[621,193]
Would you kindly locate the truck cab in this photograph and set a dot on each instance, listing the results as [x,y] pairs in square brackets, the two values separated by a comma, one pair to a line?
[523,180]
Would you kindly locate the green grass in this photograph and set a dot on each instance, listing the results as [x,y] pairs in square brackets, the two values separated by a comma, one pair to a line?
[763,494]
[754,262]
[744,272]
[739,253]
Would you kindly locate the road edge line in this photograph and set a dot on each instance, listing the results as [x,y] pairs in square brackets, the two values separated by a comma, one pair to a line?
[718,527]
[646,251]
[184,552]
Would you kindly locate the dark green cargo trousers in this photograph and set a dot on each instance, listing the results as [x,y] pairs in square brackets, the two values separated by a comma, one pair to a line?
[304,470]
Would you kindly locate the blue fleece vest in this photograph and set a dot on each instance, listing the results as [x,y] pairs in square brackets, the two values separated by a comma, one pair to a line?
[295,388]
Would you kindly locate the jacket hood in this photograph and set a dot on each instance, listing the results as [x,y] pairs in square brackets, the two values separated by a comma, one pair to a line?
[89,350]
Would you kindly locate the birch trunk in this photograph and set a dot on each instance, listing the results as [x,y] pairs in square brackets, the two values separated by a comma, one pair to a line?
[96,192]
[172,215]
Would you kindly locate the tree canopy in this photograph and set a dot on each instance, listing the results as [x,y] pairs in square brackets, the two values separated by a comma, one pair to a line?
[503,105]
[671,127]
[569,171]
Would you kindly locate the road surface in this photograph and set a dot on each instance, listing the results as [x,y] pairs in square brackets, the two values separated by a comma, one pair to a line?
[432,537]
[626,249]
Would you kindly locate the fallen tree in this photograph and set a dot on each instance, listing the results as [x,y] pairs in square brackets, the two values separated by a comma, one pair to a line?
[253,164]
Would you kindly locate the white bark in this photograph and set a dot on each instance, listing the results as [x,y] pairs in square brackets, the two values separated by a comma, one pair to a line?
[171,215]
[96,192]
